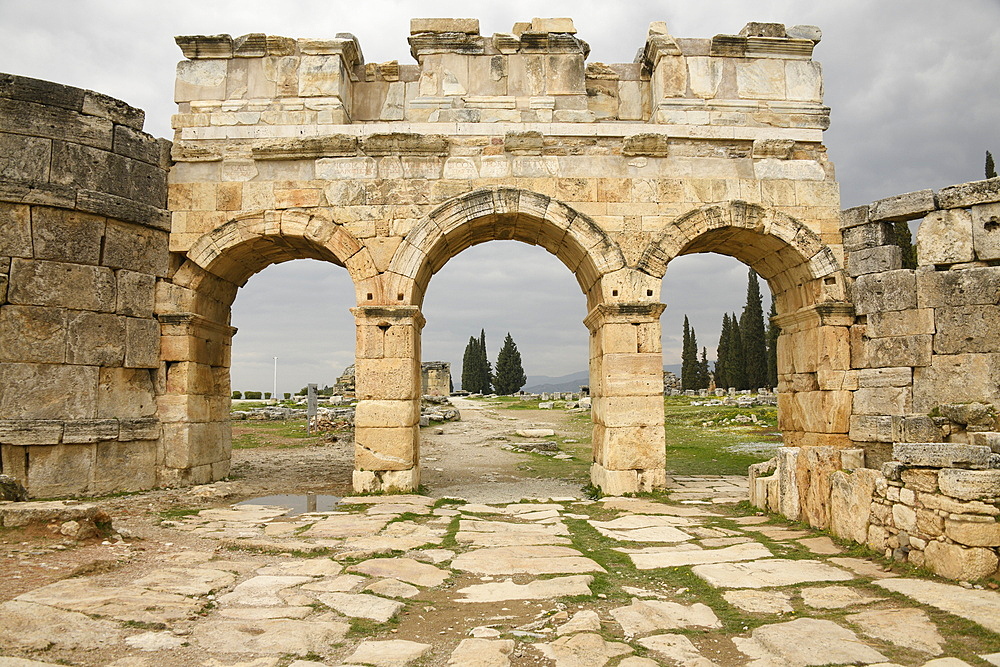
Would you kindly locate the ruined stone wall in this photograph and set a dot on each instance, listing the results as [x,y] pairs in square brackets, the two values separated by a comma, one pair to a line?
[83,240]
[925,378]
[435,378]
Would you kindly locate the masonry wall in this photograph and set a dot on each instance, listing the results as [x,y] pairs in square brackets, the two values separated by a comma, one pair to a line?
[83,240]
[925,359]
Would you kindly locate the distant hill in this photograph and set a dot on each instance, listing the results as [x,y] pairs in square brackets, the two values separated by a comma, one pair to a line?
[538,384]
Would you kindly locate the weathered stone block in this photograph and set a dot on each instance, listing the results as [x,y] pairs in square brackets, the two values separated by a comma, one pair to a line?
[964,329]
[34,157]
[900,351]
[941,455]
[915,428]
[146,428]
[970,414]
[871,428]
[385,448]
[870,235]
[142,343]
[955,378]
[984,532]
[969,194]
[387,379]
[629,447]
[124,466]
[945,237]
[908,206]
[904,518]
[83,431]
[200,80]
[874,260]
[890,290]
[187,445]
[125,393]
[614,482]
[883,401]
[624,411]
[57,392]
[136,248]
[136,294]
[631,375]
[967,287]
[956,562]
[31,432]
[851,502]
[467,26]
[919,479]
[43,283]
[33,334]
[15,230]
[387,414]
[60,470]
[901,323]
[986,231]
[970,484]
[95,339]
[852,217]
[885,377]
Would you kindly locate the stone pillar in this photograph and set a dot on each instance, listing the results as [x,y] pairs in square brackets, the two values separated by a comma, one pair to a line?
[387,384]
[626,384]
[194,406]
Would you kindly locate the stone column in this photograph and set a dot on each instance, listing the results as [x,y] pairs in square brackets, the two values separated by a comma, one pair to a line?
[194,407]
[387,384]
[626,383]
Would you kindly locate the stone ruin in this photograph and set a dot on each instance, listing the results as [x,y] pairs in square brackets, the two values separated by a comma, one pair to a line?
[116,288]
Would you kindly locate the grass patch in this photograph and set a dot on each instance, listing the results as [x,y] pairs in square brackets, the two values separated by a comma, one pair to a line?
[178,513]
[284,434]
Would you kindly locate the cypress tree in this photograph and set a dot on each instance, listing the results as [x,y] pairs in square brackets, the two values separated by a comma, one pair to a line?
[737,364]
[510,374]
[754,341]
[905,241]
[991,169]
[689,358]
[772,348]
[704,378]
[470,361]
[486,372]
[722,354]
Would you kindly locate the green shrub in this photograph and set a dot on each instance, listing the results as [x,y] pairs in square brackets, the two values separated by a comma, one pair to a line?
[237,395]
[252,395]
[288,395]
[267,395]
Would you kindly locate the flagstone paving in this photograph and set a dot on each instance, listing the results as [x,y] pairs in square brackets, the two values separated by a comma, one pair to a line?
[392,581]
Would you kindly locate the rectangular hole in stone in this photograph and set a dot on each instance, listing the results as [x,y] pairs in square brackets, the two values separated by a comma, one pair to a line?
[830,281]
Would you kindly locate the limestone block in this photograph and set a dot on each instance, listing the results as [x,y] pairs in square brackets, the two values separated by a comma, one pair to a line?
[187,407]
[192,378]
[919,479]
[15,230]
[874,260]
[75,286]
[852,217]
[890,290]
[901,323]
[612,411]
[33,334]
[67,236]
[386,448]
[388,481]
[904,518]
[761,79]
[125,393]
[136,294]
[982,532]
[870,235]
[971,286]
[669,78]
[803,81]
[986,231]
[956,378]
[970,194]
[871,428]
[146,428]
[964,329]
[900,351]
[387,414]
[467,26]
[136,249]
[614,482]
[35,157]
[945,237]
[824,411]
[60,470]
[883,401]
[57,392]
[460,168]
[187,445]
[95,339]
[631,375]
[915,428]
[629,447]
[850,503]
[970,484]
[30,432]
[885,377]
[941,455]
[704,75]
[387,379]
[322,76]
[788,483]
[124,466]
[956,562]
[806,170]
[908,206]
[200,80]
[84,431]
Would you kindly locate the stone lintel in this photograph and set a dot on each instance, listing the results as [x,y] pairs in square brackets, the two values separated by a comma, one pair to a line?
[834,313]
[198,47]
[404,143]
[298,148]
[633,313]
[192,324]
[390,314]
[467,26]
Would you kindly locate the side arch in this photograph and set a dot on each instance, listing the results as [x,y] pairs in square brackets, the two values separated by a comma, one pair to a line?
[500,213]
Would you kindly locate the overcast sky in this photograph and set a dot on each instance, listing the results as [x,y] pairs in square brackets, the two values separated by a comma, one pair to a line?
[913,86]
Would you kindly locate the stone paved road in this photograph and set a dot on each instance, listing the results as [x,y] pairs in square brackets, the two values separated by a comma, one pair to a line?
[390,581]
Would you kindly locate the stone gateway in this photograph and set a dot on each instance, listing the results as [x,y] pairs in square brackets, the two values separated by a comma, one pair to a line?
[122,254]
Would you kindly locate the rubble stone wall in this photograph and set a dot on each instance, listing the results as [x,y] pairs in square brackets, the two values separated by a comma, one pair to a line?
[83,241]
[925,378]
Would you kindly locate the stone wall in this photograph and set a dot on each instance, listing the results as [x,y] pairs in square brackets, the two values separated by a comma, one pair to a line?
[83,240]
[435,378]
[925,379]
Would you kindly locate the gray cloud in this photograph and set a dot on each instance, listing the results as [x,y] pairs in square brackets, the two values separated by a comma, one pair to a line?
[912,86]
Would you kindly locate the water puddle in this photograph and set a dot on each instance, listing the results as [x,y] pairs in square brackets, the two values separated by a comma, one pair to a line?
[298,504]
